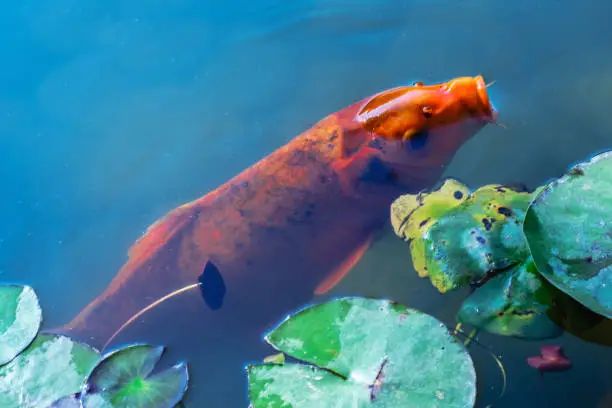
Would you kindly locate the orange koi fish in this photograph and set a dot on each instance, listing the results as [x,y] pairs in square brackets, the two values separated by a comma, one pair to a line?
[237,260]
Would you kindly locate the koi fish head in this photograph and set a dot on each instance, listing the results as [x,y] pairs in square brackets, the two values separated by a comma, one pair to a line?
[419,128]
[401,113]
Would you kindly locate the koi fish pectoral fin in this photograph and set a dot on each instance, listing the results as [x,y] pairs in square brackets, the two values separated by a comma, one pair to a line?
[212,286]
[345,267]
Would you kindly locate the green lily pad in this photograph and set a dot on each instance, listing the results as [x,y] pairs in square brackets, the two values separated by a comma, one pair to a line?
[364,350]
[20,320]
[569,232]
[122,380]
[460,238]
[50,368]
[513,303]
[123,365]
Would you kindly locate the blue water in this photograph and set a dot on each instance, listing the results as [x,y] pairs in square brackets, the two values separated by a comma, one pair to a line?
[113,113]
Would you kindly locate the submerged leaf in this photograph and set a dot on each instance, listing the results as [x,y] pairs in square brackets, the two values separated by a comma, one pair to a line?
[569,231]
[163,390]
[49,369]
[20,320]
[122,380]
[580,321]
[513,303]
[365,349]
[124,364]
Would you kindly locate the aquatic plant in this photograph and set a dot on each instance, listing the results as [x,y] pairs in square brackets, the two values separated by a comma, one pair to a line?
[535,261]
[47,370]
[352,351]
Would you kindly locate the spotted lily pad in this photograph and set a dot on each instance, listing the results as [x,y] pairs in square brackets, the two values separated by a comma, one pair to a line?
[123,380]
[50,368]
[457,238]
[412,216]
[363,352]
[513,303]
[569,231]
[20,320]
[477,239]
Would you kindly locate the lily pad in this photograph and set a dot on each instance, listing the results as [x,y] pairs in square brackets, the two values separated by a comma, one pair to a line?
[20,320]
[569,231]
[462,241]
[122,380]
[70,401]
[413,214]
[49,369]
[513,303]
[124,364]
[364,352]
[477,239]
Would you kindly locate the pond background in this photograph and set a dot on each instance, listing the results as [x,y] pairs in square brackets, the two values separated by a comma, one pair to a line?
[113,113]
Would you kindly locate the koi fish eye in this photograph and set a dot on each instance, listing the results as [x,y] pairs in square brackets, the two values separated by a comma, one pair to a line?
[427,111]
[418,84]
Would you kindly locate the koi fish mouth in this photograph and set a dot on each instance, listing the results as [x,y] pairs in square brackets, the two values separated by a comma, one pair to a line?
[489,111]
[483,96]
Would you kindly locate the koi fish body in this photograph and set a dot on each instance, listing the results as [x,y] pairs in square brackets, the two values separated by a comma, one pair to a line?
[292,225]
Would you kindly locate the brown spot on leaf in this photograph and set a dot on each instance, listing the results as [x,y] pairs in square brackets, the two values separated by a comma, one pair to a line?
[488,223]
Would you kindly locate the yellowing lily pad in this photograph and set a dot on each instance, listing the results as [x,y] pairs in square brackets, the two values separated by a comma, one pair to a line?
[49,369]
[20,320]
[477,239]
[460,237]
[413,214]
[569,230]
[362,352]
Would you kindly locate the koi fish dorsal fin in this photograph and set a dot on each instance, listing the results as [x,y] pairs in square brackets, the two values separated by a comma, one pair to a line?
[159,233]
[381,98]
[345,267]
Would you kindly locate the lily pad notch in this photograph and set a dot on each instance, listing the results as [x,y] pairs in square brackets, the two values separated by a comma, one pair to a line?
[355,351]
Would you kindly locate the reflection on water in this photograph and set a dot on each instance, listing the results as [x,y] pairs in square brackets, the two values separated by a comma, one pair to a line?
[113,114]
